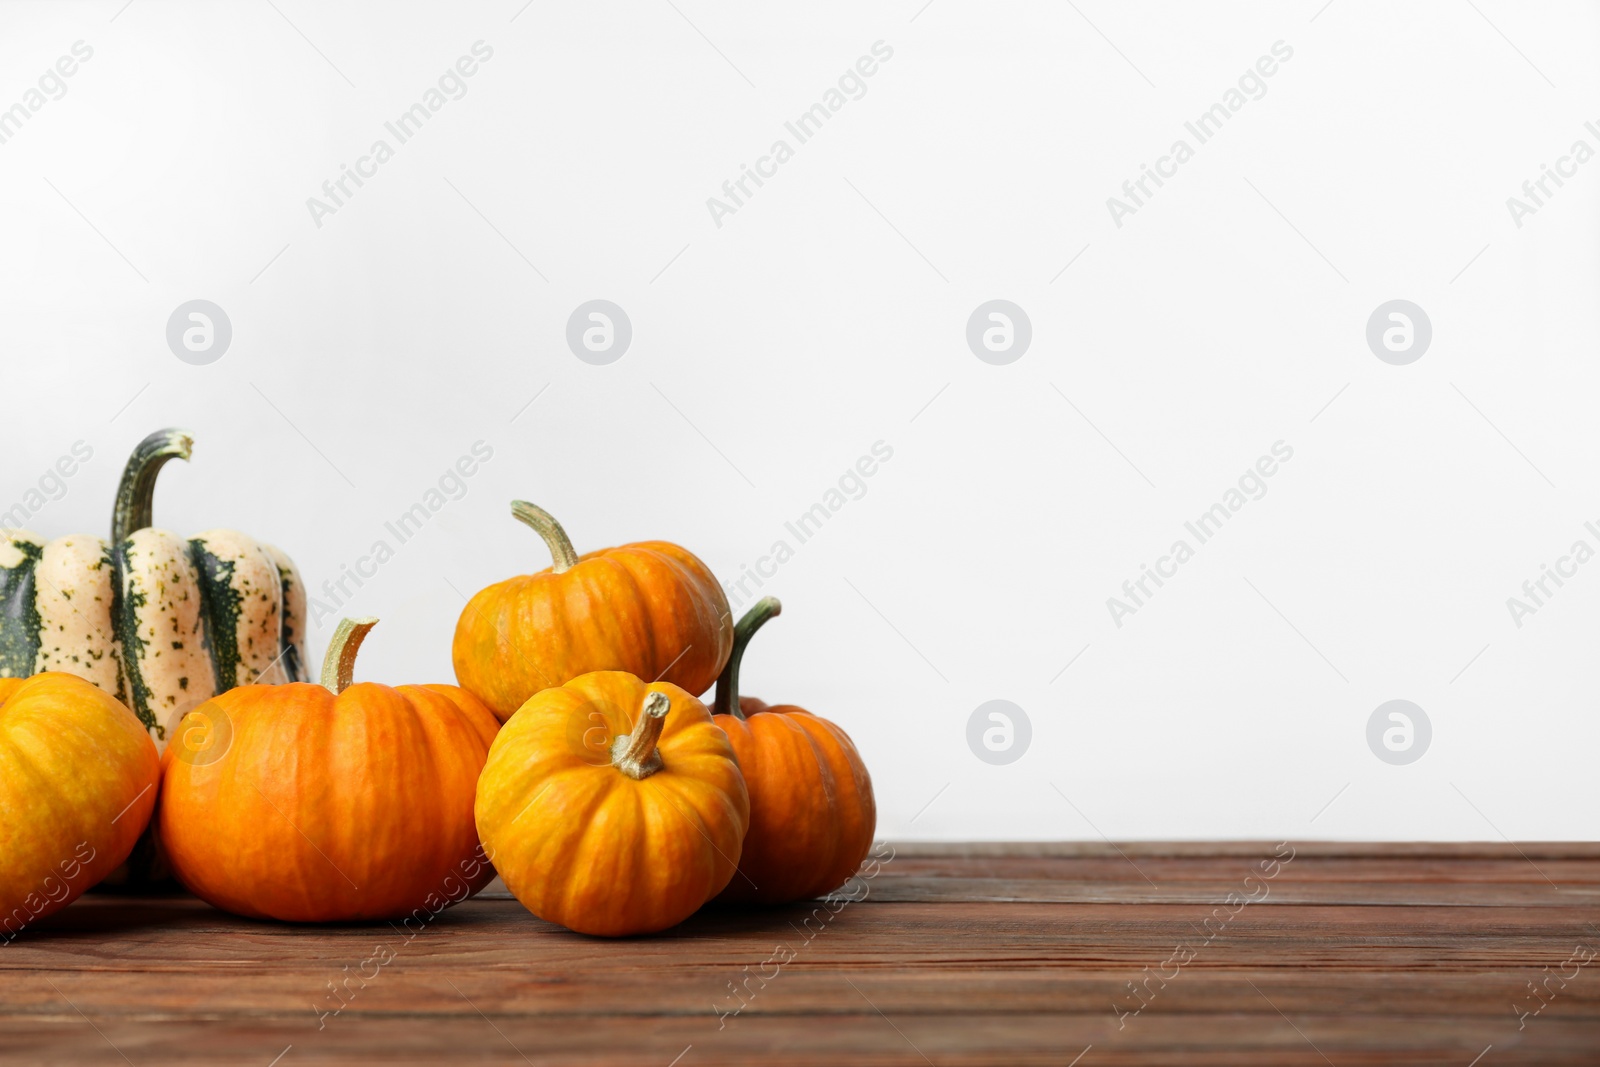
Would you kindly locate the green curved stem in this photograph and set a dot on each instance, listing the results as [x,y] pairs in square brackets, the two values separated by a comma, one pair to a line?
[136,492]
[561,550]
[727,699]
[339,665]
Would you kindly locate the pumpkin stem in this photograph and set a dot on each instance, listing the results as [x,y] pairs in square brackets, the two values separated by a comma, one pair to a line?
[727,699]
[561,549]
[136,492]
[339,664]
[636,755]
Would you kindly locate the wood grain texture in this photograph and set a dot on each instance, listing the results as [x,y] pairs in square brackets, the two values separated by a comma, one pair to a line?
[954,955]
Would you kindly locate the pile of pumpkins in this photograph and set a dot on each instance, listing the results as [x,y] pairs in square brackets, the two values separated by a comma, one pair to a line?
[574,758]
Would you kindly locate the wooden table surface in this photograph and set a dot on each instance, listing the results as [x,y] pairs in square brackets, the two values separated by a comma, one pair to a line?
[980,954]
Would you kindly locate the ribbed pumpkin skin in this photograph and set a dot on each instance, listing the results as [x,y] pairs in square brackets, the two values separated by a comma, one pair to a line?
[325,808]
[812,812]
[581,844]
[651,609]
[78,781]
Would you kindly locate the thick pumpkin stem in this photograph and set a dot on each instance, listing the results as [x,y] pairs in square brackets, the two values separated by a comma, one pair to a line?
[561,550]
[339,665]
[727,698]
[136,492]
[635,755]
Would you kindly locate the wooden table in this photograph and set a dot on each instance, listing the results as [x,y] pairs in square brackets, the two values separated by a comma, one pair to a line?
[981,954]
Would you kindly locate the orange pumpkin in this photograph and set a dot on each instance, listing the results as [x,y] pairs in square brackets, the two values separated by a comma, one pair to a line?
[812,812]
[651,609]
[316,803]
[612,806]
[78,779]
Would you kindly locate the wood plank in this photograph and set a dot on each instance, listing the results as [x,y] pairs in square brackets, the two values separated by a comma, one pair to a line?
[952,1040]
[956,955]
[1404,851]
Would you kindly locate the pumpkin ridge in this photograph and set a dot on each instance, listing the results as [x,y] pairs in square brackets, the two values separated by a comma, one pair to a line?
[246,785]
[571,847]
[467,718]
[642,612]
[517,612]
[599,591]
[47,733]
[565,614]
[402,729]
[678,792]
[24,755]
[852,792]
[662,868]
[591,850]
[797,765]
[437,725]
[823,754]
[696,573]
[658,555]
[553,780]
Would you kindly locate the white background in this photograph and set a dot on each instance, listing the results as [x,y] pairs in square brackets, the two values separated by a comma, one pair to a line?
[830,312]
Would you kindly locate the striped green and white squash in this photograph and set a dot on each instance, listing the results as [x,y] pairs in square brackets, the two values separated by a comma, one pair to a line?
[161,622]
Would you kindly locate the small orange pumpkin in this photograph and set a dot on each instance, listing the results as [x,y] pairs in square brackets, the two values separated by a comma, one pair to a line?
[651,609]
[612,806]
[316,803]
[812,813]
[78,779]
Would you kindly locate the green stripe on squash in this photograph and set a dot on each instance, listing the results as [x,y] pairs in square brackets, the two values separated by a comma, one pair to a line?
[19,614]
[221,604]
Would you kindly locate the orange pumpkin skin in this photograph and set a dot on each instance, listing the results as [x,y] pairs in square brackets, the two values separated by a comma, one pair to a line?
[583,844]
[321,807]
[651,609]
[812,812]
[78,782]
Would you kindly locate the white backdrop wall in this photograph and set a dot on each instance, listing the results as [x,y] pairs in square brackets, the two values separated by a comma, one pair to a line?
[822,317]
